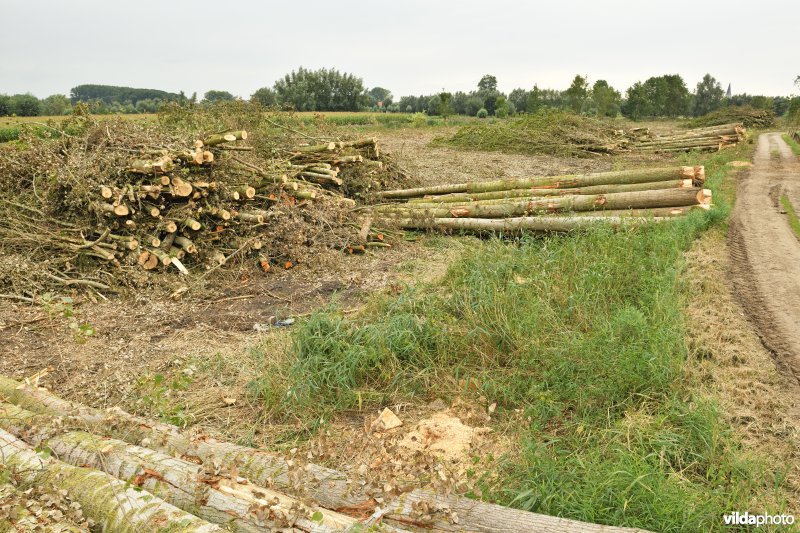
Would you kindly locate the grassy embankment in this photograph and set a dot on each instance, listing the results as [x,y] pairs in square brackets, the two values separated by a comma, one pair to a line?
[793,144]
[586,334]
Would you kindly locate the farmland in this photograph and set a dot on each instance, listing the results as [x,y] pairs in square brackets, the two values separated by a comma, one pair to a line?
[606,375]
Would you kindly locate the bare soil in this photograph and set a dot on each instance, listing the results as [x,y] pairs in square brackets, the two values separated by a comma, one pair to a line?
[765,254]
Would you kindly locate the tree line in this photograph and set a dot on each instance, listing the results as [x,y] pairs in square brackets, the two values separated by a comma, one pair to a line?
[331,90]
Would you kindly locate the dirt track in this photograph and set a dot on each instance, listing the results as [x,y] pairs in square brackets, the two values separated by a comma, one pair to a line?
[765,254]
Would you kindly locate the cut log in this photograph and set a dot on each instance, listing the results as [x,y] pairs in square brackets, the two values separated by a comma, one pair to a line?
[555,182]
[245,191]
[325,147]
[534,192]
[106,192]
[221,138]
[180,188]
[329,488]
[592,202]
[191,223]
[322,179]
[113,504]
[521,224]
[147,260]
[250,217]
[120,210]
[158,166]
[185,243]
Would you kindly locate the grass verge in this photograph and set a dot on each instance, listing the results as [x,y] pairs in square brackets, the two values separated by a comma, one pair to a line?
[791,214]
[586,335]
[793,144]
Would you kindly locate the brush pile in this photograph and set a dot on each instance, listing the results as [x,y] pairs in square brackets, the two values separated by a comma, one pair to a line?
[554,203]
[750,117]
[104,206]
[548,132]
[710,139]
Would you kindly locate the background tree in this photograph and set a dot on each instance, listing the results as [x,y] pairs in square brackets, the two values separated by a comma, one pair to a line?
[218,96]
[5,105]
[637,103]
[56,105]
[606,99]
[434,105]
[265,96]
[577,93]
[110,94]
[379,94]
[519,99]
[444,107]
[707,96]
[321,90]
[473,105]
[534,101]
[502,109]
[487,83]
[25,105]
[459,103]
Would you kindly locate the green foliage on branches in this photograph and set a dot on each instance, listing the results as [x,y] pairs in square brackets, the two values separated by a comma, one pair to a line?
[577,93]
[218,96]
[264,96]
[111,94]
[660,96]
[321,90]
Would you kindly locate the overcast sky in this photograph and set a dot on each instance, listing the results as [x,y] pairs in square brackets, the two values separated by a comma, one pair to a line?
[409,47]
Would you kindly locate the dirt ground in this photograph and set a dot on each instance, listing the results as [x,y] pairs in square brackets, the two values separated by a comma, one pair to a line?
[766,253]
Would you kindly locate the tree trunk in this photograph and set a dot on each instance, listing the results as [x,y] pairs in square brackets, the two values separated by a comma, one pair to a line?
[112,503]
[330,488]
[520,224]
[556,204]
[532,193]
[556,182]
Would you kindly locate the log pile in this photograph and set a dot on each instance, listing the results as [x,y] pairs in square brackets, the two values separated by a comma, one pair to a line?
[132,474]
[710,139]
[552,203]
[98,210]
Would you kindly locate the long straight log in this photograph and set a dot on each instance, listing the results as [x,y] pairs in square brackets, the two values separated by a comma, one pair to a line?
[556,182]
[113,504]
[589,202]
[519,224]
[534,192]
[329,488]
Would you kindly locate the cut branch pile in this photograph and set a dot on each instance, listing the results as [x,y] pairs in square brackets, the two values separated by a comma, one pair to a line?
[710,139]
[98,209]
[133,474]
[553,203]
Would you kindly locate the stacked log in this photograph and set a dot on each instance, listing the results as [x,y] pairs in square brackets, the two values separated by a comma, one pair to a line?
[551,203]
[133,474]
[710,139]
[185,206]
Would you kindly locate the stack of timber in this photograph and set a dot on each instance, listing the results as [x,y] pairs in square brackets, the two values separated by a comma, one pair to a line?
[552,203]
[710,139]
[132,474]
[96,209]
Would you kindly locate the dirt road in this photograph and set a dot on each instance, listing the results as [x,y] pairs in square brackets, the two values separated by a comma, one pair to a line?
[765,254]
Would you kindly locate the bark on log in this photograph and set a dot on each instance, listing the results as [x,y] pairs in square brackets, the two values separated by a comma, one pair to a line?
[159,166]
[520,224]
[531,193]
[327,487]
[112,503]
[556,204]
[556,182]
[221,138]
[181,483]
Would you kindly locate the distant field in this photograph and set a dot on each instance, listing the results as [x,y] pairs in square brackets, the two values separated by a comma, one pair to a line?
[15,121]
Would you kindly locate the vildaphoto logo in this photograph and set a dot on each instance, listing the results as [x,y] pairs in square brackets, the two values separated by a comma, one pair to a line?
[746,519]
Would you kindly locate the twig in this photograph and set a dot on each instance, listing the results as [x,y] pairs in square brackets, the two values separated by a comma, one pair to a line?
[17,297]
[294,130]
[98,241]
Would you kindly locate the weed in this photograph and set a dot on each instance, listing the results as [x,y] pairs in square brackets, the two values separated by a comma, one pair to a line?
[791,214]
[793,144]
[157,394]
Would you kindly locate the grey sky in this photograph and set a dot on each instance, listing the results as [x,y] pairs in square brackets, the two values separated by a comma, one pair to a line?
[409,47]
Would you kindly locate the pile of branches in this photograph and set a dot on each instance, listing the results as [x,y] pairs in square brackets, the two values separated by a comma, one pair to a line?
[548,132]
[710,139]
[750,117]
[109,202]
[553,203]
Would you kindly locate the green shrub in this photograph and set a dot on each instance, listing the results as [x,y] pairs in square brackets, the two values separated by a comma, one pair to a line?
[482,113]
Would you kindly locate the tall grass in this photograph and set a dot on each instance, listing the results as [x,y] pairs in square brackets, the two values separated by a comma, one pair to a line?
[584,334]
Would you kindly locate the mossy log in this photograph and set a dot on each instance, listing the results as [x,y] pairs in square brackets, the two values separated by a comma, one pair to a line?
[113,504]
[181,483]
[329,488]
[556,182]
